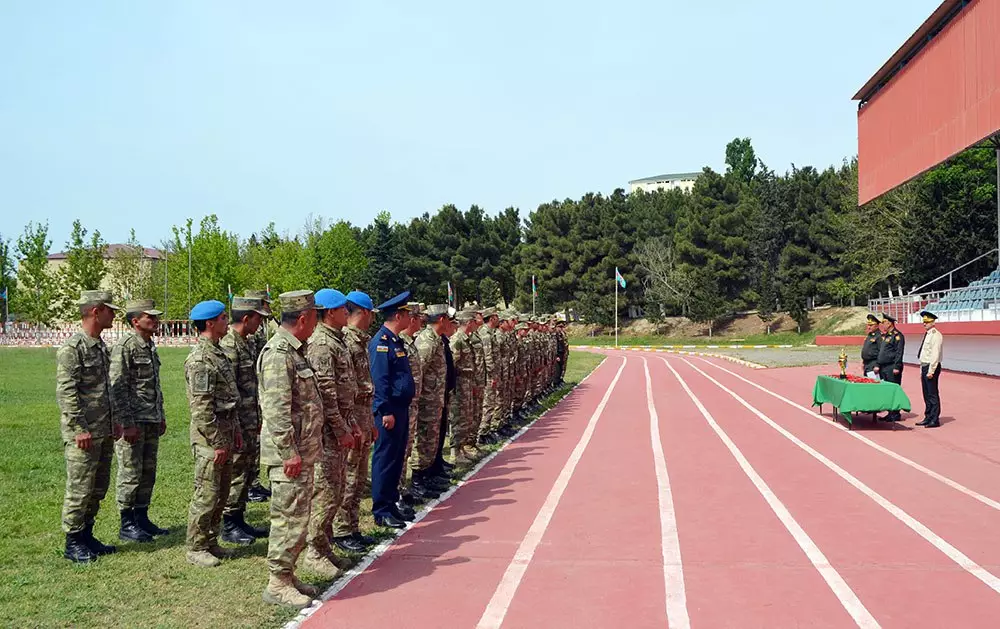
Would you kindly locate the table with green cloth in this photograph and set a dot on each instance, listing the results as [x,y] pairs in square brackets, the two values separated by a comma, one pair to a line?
[847,397]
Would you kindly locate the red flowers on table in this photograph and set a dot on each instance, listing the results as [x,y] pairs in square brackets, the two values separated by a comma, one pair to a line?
[855,379]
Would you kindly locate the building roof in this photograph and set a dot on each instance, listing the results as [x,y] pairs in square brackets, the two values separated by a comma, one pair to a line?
[927,31]
[148,252]
[667,177]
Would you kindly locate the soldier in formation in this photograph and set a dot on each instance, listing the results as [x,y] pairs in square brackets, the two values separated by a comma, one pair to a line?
[137,402]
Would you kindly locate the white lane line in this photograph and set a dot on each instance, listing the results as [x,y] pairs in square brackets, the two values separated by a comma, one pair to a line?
[850,601]
[673,570]
[967,564]
[497,609]
[989,502]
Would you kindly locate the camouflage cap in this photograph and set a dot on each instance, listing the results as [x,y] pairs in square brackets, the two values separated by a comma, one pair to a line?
[249,304]
[466,315]
[144,306]
[415,307]
[436,311]
[297,301]
[521,326]
[489,312]
[259,294]
[88,297]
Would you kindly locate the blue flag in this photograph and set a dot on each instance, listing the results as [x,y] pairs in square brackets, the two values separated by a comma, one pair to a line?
[4,294]
[619,278]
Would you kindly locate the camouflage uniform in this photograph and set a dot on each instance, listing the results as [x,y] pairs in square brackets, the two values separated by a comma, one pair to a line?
[83,391]
[491,379]
[433,380]
[356,481]
[292,412]
[213,398]
[478,380]
[461,411]
[415,370]
[240,354]
[328,355]
[138,402]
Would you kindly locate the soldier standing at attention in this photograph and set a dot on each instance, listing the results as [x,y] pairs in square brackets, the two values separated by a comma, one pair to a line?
[929,355]
[215,433]
[83,391]
[462,413]
[873,343]
[266,329]
[392,393]
[434,381]
[248,312]
[406,490]
[138,406]
[291,440]
[346,527]
[491,380]
[890,358]
[479,378]
[327,353]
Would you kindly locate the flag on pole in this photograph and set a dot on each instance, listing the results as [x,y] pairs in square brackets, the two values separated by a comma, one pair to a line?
[3,295]
[268,289]
[619,278]
[451,295]
[230,288]
[534,288]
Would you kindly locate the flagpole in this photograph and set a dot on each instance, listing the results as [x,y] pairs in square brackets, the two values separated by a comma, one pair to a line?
[616,307]
[533,291]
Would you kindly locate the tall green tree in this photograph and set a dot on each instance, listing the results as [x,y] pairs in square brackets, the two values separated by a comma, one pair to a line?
[489,292]
[741,160]
[84,268]
[336,256]
[132,275]
[34,300]
[386,275]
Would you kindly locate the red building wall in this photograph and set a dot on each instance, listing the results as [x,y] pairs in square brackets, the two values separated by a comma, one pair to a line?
[945,100]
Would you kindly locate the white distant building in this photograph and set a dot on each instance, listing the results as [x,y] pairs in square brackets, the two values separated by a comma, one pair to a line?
[681,181]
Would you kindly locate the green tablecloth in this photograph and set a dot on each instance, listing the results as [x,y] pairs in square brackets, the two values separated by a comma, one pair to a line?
[849,397]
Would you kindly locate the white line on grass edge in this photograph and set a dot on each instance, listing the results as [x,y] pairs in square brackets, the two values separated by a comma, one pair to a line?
[383,546]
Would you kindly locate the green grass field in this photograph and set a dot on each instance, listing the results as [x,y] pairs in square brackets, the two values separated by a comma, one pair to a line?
[148,585]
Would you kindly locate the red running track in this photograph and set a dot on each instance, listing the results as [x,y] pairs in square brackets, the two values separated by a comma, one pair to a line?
[761,514]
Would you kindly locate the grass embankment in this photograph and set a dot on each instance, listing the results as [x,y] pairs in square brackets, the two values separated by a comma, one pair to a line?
[828,325]
[142,586]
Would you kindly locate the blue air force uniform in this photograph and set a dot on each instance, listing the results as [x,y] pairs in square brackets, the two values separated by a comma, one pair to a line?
[394,389]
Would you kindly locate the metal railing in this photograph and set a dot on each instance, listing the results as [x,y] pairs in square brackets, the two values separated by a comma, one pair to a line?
[970,303]
[32,335]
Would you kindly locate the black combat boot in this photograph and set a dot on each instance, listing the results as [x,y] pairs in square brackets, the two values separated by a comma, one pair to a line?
[142,519]
[249,529]
[130,530]
[87,535]
[77,550]
[233,533]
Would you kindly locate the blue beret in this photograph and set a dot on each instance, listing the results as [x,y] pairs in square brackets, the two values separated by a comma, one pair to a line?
[396,303]
[206,310]
[330,298]
[362,300]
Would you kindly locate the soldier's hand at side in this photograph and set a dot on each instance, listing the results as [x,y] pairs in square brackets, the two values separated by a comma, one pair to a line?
[163,427]
[876,370]
[895,372]
[388,421]
[374,434]
[293,467]
[117,430]
[83,441]
[220,456]
[131,434]
[346,440]
[930,375]
[239,440]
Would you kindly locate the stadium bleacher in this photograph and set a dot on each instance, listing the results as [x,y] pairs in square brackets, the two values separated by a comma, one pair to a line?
[980,294]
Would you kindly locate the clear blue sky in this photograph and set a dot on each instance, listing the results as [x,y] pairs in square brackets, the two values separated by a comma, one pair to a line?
[139,114]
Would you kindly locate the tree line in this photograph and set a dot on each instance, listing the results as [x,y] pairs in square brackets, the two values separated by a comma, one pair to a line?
[747,238]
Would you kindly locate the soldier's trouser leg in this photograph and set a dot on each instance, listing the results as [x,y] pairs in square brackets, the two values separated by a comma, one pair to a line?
[491,409]
[387,463]
[253,471]
[425,445]
[356,478]
[407,475]
[211,492]
[291,500]
[327,495]
[239,487]
[88,474]
[137,467]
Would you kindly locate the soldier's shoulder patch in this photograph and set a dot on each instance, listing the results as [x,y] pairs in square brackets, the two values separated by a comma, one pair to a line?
[382,348]
[201,380]
[384,338]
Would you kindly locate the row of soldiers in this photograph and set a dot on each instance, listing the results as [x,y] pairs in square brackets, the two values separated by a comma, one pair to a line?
[299,399]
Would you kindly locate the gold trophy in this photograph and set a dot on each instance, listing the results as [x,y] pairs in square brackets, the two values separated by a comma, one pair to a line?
[842,360]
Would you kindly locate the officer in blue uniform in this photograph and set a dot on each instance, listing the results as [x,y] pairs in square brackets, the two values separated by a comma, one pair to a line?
[394,389]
